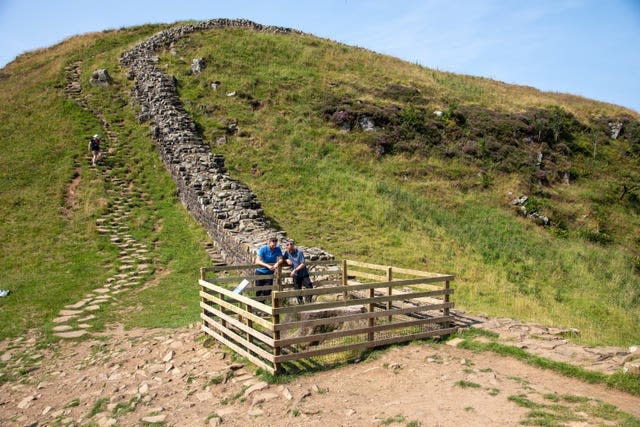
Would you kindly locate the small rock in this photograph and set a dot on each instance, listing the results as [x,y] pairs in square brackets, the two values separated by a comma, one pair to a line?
[224,412]
[169,356]
[256,387]
[287,394]
[100,77]
[264,397]
[632,368]
[155,419]
[155,368]
[144,388]
[70,334]
[454,342]
[205,395]
[107,422]
[255,412]
[26,402]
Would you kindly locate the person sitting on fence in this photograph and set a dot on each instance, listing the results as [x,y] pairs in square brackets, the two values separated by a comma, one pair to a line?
[269,259]
[294,257]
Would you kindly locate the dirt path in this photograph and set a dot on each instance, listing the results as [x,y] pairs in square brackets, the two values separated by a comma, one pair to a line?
[174,377]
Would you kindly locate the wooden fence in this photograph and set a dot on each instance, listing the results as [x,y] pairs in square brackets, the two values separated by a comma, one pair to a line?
[354,306]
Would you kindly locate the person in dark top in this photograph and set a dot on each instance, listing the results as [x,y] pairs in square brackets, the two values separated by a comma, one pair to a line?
[94,146]
[269,259]
[294,257]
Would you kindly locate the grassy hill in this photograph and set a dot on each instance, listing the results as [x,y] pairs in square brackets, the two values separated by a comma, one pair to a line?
[430,187]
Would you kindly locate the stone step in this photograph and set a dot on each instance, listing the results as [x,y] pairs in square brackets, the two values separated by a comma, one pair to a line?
[71,334]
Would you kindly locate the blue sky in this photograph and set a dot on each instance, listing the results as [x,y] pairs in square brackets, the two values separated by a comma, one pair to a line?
[584,47]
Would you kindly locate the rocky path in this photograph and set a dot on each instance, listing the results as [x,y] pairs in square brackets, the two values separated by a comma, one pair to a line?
[555,344]
[133,264]
[174,377]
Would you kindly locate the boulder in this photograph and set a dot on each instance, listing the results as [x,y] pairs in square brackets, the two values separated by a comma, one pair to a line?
[197,65]
[614,129]
[100,77]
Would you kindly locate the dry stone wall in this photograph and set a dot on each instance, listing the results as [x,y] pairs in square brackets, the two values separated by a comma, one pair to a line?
[228,209]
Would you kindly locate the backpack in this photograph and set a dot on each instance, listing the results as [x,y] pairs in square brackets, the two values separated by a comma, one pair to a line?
[95,144]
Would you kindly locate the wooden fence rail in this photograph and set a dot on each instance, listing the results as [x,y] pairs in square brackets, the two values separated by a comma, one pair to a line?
[344,315]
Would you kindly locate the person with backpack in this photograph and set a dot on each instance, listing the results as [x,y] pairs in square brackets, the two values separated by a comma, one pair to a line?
[294,257]
[94,146]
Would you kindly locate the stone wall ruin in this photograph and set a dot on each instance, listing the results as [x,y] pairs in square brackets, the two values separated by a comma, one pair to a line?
[228,209]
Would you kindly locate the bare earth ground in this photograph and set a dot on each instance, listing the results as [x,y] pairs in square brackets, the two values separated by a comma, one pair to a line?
[175,377]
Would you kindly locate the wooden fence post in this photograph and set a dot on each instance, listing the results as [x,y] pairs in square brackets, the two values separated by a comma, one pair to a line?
[446,301]
[249,322]
[275,303]
[202,300]
[344,278]
[371,322]
[390,291]
[279,278]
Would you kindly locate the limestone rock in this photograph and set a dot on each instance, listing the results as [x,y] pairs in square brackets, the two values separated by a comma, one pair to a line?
[70,334]
[256,387]
[197,65]
[155,419]
[100,77]
[26,402]
[632,368]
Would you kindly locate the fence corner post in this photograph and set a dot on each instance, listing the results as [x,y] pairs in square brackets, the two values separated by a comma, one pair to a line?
[202,273]
[446,311]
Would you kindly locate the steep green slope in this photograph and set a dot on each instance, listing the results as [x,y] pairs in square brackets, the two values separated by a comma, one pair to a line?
[422,190]
[425,203]
[51,253]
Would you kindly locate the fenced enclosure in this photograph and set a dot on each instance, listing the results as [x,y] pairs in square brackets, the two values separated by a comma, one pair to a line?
[354,306]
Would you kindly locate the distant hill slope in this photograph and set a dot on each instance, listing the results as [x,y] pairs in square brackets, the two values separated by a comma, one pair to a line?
[364,155]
